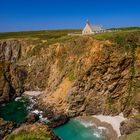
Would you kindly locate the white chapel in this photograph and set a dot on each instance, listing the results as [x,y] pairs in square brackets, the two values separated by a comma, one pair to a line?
[92,29]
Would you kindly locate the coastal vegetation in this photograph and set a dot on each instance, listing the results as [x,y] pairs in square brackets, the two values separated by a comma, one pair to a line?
[134,136]
[44,34]
[36,131]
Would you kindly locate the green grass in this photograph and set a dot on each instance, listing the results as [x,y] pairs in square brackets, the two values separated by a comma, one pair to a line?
[27,137]
[117,37]
[31,132]
[63,38]
[40,39]
[71,76]
[50,37]
[134,136]
[126,28]
[48,34]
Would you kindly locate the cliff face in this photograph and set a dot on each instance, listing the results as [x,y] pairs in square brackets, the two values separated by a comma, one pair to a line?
[103,88]
[82,75]
[11,74]
[87,76]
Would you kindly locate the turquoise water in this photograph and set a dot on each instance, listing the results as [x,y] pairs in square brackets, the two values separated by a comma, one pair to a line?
[14,111]
[74,130]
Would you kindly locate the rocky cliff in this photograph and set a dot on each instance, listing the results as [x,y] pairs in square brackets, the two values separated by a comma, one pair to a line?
[79,76]
[12,75]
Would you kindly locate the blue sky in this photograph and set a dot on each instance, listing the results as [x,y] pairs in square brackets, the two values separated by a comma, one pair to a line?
[20,15]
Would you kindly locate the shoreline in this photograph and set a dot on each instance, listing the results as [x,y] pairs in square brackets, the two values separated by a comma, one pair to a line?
[107,124]
[113,120]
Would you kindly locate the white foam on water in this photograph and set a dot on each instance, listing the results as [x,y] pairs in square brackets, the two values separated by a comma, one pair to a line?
[96,134]
[45,120]
[32,103]
[101,128]
[87,124]
[97,131]
[40,116]
[32,100]
[17,99]
[38,112]
[35,111]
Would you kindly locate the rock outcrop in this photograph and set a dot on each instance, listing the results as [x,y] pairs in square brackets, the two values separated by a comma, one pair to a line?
[12,75]
[103,87]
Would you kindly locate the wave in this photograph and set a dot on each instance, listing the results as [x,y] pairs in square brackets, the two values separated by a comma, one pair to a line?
[87,124]
[17,99]
[97,131]
[96,134]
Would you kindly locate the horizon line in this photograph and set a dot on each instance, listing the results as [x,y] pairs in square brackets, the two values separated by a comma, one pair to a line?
[63,29]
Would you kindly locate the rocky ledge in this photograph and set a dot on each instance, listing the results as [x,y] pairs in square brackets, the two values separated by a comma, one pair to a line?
[6,128]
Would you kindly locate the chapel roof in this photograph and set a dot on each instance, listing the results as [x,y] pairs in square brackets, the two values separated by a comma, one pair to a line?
[96,27]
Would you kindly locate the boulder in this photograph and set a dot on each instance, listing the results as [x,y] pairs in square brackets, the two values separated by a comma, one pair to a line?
[32,118]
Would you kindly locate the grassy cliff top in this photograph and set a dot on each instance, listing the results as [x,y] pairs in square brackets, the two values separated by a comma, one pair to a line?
[117,36]
[46,34]
[60,35]
[49,36]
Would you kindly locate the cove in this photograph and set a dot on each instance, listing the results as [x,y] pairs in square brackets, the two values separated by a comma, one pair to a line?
[74,130]
[14,111]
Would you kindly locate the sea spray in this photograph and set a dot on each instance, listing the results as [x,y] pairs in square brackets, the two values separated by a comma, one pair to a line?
[31,108]
[87,124]
[18,99]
